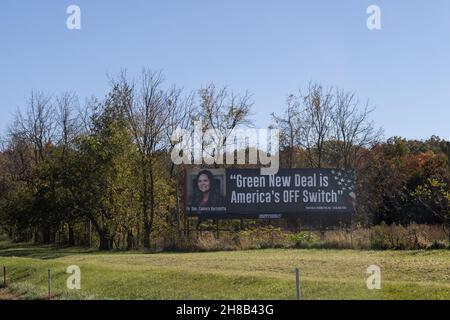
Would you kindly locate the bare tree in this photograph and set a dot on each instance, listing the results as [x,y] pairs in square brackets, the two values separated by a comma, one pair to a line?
[331,125]
[37,126]
[290,125]
[317,105]
[223,111]
[67,124]
[86,113]
[181,113]
[353,131]
[19,154]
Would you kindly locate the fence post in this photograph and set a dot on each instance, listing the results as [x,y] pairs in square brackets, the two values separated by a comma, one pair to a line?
[5,284]
[49,284]
[297,283]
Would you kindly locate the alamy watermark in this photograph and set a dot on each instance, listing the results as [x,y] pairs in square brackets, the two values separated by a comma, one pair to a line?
[74,280]
[374,20]
[374,280]
[73,21]
[215,147]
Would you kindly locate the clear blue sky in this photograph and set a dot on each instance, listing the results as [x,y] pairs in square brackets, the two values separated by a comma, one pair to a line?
[270,48]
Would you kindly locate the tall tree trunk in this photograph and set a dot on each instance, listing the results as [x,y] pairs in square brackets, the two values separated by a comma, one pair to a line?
[103,234]
[146,235]
[105,240]
[46,235]
[36,236]
[111,243]
[149,208]
[71,235]
[130,240]
[53,233]
[152,203]
[145,193]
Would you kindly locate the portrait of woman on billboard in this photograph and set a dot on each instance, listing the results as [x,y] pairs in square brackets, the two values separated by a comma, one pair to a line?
[206,194]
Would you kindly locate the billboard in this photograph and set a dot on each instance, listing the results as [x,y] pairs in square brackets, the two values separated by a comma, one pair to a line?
[245,193]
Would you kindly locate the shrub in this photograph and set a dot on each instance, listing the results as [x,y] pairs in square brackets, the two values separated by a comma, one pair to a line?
[302,239]
[436,245]
[261,238]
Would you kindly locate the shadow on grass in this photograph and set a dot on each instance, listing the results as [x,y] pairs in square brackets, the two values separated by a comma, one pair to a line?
[39,251]
[50,251]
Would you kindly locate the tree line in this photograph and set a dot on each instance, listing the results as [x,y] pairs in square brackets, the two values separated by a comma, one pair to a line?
[67,167]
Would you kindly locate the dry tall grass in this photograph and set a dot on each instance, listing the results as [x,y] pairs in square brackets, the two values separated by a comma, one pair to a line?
[380,237]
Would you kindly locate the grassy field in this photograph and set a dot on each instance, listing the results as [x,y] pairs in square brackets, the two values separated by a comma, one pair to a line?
[255,274]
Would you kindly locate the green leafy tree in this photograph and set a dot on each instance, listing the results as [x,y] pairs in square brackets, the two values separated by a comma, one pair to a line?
[103,185]
[435,196]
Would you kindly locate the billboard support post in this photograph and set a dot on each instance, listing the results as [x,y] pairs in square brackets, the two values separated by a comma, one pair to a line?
[198,228]
[351,234]
[187,227]
[217,229]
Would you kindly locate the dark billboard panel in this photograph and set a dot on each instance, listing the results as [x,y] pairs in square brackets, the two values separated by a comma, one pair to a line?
[245,193]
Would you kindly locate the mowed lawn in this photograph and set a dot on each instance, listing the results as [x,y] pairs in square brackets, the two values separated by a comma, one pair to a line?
[254,274]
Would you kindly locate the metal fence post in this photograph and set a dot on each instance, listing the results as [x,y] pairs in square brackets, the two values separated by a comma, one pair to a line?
[49,284]
[297,283]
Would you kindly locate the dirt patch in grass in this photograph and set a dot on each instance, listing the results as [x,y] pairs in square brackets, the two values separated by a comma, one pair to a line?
[6,294]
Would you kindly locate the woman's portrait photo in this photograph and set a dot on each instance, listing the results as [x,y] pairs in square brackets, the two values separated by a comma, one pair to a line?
[206,191]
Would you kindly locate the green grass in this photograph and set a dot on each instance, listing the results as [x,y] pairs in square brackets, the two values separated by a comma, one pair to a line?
[254,274]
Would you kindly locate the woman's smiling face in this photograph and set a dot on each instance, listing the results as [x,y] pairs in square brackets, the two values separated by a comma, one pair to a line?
[203,183]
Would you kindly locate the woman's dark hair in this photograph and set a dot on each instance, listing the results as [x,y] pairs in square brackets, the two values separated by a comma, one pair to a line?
[214,196]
